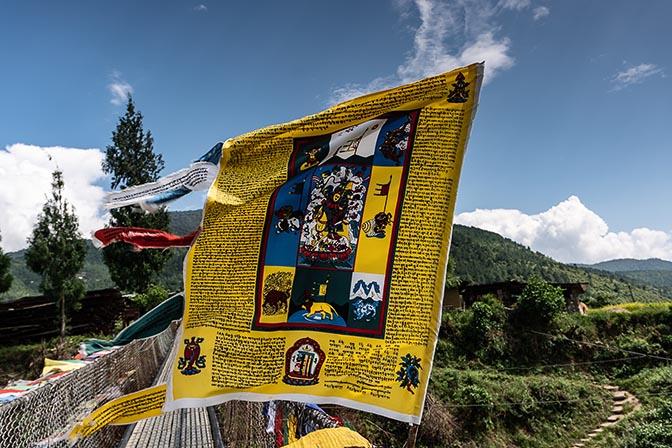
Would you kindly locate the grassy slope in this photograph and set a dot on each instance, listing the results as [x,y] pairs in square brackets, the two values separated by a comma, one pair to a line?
[538,391]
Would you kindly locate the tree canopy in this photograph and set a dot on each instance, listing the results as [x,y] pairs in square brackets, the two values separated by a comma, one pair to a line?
[56,250]
[5,276]
[131,160]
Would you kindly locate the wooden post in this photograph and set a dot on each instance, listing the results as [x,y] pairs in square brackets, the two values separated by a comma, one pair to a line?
[412,435]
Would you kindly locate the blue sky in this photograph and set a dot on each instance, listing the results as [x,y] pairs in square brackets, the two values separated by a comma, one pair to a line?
[569,151]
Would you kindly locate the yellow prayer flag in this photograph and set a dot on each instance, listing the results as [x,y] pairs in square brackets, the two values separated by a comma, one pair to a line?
[318,275]
[130,408]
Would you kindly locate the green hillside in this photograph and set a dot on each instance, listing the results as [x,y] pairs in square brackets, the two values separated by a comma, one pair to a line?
[480,257]
[661,279]
[185,222]
[486,257]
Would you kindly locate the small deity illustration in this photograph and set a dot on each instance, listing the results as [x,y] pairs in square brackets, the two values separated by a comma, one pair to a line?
[312,158]
[396,142]
[289,220]
[408,374]
[192,361]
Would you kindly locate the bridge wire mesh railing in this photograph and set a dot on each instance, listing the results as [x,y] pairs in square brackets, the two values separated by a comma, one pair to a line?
[246,424]
[41,417]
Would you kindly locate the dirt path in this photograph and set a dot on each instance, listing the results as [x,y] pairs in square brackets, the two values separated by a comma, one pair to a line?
[623,403]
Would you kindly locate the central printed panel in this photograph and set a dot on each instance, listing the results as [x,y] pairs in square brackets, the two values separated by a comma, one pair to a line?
[330,230]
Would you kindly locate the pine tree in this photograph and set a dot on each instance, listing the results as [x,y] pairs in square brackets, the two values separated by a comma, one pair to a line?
[5,277]
[56,251]
[131,161]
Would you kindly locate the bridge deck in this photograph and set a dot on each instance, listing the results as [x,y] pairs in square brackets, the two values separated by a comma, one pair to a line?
[187,428]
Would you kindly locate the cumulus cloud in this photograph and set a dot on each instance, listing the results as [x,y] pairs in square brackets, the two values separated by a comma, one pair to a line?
[450,35]
[119,89]
[25,186]
[571,233]
[635,75]
[540,12]
[200,8]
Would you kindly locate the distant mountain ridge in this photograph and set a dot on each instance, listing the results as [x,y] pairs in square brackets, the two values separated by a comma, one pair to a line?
[631,264]
[653,271]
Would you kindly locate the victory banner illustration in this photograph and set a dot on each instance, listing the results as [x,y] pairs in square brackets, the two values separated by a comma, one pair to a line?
[318,272]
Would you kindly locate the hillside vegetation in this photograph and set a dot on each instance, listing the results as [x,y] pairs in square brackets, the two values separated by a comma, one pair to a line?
[486,257]
[530,377]
[479,257]
[503,379]
[653,271]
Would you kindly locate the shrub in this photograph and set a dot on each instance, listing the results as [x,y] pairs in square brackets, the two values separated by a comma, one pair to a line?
[155,295]
[539,303]
[476,409]
[483,334]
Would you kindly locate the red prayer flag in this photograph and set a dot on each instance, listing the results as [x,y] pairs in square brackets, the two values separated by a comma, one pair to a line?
[141,238]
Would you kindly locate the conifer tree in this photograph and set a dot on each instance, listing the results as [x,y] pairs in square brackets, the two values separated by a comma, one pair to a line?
[56,251]
[5,276]
[131,161]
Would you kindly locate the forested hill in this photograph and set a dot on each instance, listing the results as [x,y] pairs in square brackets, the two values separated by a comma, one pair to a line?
[630,264]
[653,271]
[486,257]
[480,257]
[185,222]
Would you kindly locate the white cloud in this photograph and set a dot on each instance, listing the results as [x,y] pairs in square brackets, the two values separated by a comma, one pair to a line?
[200,8]
[540,12]
[25,186]
[635,75]
[450,35]
[119,89]
[350,91]
[571,233]
[515,4]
